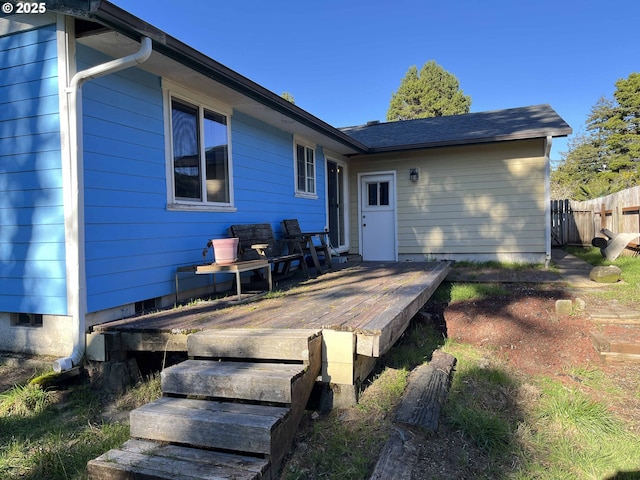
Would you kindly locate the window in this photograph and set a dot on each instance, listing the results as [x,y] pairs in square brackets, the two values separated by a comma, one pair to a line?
[305,170]
[378,194]
[200,154]
[26,319]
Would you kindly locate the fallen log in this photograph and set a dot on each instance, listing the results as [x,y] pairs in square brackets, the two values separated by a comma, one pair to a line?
[418,413]
[398,457]
[426,393]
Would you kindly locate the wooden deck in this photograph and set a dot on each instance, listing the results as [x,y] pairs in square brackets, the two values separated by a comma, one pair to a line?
[373,300]
[362,310]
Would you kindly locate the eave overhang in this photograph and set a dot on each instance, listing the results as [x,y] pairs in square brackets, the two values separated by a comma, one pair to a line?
[126,24]
[469,141]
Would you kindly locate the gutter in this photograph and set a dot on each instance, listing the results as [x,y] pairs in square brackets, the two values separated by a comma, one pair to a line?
[74,221]
[547,199]
[124,22]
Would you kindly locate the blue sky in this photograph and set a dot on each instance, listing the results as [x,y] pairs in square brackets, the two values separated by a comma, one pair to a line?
[342,59]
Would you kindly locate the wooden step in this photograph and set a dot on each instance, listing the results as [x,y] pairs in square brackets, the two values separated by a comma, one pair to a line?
[236,411]
[260,382]
[605,343]
[617,343]
[615,357]
[259,343]
[138,459]
[210,424]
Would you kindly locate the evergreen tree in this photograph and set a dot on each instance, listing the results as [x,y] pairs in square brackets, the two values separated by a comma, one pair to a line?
[624,125]
[432,92]
[288,97]
[605,158]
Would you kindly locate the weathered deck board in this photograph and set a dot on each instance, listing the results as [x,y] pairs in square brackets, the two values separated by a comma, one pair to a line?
[426,393]
[209,424]
[265,382]
[373,300]
[143,459]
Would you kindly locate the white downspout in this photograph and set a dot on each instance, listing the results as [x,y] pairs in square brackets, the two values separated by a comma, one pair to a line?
[547,198]
[74,223]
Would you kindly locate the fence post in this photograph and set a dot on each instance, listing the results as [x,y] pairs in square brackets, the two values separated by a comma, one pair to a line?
[566,209]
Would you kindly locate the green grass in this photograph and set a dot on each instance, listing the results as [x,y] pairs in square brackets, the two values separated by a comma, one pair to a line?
[24,401]
[344,445]
[416,346]
[625,291]
[559,432]
[456,292]
[514,426]
[144,392]
[51,434]
[580,436]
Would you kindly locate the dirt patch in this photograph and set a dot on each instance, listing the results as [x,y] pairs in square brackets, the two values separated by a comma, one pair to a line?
[523,329]
[522,333]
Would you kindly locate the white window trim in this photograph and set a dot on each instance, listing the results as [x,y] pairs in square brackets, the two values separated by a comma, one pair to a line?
[172,90]
[312,146]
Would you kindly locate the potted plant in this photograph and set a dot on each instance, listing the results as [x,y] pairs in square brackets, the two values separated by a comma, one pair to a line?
[225,250]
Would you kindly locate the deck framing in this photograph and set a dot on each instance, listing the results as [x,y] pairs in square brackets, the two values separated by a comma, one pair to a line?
[362,310]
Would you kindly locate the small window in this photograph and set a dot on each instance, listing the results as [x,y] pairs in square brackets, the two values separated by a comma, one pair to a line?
[148,305]
[26,319]
[378,194]
[305,169]
[200,154]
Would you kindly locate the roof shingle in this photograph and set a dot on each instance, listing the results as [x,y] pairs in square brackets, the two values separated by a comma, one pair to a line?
[511,124]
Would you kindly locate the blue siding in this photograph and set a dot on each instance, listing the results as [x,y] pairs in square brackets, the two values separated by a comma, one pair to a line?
[125,187]
[32,252]
[264,177]
[133,243]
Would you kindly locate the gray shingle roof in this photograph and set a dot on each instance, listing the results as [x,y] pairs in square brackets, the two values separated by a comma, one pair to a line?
[511,124]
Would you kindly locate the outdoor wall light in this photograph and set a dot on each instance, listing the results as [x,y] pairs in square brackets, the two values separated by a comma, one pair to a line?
[414,174]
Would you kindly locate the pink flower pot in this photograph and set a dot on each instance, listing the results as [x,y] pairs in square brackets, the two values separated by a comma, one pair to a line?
[225,250]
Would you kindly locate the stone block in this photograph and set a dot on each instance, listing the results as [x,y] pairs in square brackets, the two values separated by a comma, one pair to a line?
[606,274]
[580,304]
[564,307]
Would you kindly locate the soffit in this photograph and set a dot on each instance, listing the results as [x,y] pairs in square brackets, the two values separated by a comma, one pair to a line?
[117,45]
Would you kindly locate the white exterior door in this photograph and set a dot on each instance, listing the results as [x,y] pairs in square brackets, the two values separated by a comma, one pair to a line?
[378,217]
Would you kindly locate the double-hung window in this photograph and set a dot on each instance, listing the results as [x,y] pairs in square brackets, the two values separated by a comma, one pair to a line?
[200,154]
[305,162]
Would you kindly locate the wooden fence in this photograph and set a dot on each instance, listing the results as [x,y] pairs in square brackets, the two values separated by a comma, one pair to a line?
[577,223]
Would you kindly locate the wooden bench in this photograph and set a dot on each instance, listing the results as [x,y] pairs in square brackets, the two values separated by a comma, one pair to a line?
[235,268]
[257,241]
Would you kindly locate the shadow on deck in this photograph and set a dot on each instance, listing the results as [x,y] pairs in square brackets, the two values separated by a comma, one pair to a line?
[361,310]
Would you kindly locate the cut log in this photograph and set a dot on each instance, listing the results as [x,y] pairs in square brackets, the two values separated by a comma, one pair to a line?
[419,410]
[398,458]
[426,393]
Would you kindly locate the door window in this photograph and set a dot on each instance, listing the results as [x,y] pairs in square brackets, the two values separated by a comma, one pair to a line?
[378,194]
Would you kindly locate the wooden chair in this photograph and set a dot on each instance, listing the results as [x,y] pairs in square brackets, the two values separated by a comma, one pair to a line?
[295,235]
[257,241]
